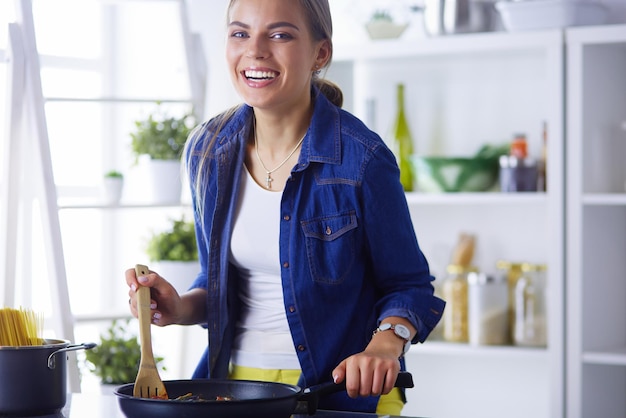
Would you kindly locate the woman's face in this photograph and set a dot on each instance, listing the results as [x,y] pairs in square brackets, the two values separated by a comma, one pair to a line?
[271,54]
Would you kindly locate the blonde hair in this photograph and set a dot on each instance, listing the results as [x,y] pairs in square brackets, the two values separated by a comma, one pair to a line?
[319,19]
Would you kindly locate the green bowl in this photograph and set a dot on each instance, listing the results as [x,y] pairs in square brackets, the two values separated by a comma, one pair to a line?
[455,174]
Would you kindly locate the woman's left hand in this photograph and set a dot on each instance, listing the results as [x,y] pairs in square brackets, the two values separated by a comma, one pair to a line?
[372,372]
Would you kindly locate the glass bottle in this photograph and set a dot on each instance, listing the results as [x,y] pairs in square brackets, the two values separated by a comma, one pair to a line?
[541,164]
[530,328]
[403,141]
[455,293]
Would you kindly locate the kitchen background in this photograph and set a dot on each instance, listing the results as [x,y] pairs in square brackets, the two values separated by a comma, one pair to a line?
[106,63]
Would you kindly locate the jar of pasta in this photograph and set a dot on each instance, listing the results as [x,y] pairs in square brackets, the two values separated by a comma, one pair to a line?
[455,293]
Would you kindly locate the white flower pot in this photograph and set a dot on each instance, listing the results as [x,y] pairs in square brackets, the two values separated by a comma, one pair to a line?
[165,182]
[112,188]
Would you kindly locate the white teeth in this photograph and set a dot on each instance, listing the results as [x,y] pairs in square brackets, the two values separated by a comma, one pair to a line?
[260,74]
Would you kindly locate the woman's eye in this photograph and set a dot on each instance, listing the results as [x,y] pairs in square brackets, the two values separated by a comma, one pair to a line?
[239,34]
[281,35]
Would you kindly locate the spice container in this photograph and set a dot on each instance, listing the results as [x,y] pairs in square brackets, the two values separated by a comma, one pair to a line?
[530,327]
[488,315]
[455,293]
[518,172]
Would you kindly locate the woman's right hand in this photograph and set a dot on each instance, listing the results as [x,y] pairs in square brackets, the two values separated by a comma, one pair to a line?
[166,305]
[165,302]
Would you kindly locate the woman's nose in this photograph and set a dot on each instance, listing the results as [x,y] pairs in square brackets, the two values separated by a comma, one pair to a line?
[257,48]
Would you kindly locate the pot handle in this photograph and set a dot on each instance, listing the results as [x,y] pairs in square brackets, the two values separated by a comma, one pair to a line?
[73,347]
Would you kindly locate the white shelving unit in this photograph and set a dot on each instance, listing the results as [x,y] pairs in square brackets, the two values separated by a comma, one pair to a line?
[596,222]
[462,92]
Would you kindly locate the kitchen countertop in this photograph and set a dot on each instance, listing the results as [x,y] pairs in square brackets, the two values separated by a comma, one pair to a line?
[106,406]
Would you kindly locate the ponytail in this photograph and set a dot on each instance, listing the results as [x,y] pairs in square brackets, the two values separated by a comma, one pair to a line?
[329,89]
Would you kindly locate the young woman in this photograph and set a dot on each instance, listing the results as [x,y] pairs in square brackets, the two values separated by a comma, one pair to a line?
[311,270]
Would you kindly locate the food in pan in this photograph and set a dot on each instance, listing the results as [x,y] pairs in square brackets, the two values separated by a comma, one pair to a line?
[198,398]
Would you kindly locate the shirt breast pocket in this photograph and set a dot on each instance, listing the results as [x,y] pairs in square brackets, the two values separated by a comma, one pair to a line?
[331,246]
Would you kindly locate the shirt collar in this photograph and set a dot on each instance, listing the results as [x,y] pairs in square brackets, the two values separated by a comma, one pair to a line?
[323,140]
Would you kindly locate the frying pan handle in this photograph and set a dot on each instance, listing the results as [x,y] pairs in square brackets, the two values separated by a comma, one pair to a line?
[74,347]
[311,395]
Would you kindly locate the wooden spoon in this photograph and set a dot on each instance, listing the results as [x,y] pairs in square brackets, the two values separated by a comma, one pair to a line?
[148,383]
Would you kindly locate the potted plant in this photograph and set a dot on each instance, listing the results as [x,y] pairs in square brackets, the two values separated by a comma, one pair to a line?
[382,26]
[116,359]
[113,186]
[161,137]
[173,253]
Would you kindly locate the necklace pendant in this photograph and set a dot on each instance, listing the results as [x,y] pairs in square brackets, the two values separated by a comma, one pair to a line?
[269,180]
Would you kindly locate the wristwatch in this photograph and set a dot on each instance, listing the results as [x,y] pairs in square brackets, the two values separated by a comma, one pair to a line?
[401,332]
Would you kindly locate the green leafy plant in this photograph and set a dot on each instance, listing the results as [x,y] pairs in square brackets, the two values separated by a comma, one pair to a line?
[116,359]
[381,15]
[113,174]
[178,243]
[161,136]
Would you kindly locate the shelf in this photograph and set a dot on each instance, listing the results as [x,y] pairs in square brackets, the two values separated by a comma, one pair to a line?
[102,317]
[115,100]
[458,349]
[92,204]
[495,198]
[604,199]
[446,45]
[616,357]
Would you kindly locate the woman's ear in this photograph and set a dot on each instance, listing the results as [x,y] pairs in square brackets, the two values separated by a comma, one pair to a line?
[323,54]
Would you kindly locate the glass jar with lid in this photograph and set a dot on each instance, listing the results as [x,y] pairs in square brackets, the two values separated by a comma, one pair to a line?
[512,271]
[488,317]
[455,293]
[530,327]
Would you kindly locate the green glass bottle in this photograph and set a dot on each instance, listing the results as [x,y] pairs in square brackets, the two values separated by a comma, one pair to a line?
[403,142]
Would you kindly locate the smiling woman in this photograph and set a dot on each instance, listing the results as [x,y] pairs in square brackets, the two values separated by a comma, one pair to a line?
[294,200]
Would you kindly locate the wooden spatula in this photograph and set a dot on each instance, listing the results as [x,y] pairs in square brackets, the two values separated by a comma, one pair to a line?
[148,383]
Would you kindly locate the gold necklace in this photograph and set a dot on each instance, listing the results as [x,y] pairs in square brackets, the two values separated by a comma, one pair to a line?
[268,178]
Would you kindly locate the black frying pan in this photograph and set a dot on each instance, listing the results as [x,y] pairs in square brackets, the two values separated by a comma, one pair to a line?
[249,399]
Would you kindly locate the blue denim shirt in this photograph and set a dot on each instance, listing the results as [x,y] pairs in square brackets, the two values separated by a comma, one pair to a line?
[349,256]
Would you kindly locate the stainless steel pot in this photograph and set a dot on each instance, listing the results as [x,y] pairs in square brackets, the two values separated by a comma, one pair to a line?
[33,379]
[445,17]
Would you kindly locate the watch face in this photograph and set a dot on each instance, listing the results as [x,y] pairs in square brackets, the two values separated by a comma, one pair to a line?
[402,331]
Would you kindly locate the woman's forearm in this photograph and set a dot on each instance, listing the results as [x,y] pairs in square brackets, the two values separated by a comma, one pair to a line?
[193,307]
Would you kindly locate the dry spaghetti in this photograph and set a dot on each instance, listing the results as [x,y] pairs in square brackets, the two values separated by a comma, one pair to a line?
[20,327]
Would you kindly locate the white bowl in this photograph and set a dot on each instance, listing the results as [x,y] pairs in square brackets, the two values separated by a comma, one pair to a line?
[380,29]
[550,14]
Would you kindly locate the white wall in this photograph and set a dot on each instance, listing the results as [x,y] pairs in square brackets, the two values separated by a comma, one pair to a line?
[209,19]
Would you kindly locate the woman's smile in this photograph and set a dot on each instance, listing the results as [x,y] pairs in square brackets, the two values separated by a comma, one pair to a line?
[259,77]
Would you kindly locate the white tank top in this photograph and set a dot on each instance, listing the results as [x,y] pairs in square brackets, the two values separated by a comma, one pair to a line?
[263,339]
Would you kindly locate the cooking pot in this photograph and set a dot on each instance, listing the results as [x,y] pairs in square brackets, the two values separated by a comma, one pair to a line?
[445,17]
[245,398]
[33,378]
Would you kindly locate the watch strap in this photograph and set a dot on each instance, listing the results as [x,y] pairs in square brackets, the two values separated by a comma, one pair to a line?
[399,330]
